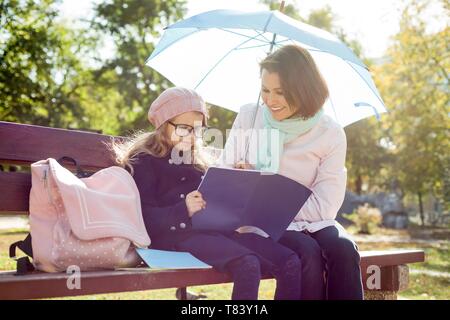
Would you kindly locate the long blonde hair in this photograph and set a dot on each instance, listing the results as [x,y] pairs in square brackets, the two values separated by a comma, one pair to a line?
[156,143]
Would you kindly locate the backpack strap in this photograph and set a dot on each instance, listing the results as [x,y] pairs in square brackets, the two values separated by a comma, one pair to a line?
[80,173]
[24,264]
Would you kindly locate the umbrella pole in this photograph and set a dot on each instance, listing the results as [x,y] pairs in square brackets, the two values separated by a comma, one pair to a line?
[272,43]
[281,9]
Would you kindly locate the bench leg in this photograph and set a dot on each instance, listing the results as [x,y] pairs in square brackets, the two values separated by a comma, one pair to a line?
[181,293]
[394,279]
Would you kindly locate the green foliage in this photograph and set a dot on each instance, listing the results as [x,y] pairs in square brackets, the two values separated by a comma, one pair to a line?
[44,79]
[221,118]
[414,83]
[37,56]
[365,218]
[133,25]
[289,9]
[51,76]
[367,159]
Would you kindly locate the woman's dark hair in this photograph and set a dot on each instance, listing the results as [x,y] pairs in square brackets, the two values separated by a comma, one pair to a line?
[303,86]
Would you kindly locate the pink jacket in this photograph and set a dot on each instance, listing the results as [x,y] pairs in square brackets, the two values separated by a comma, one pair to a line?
[315,159]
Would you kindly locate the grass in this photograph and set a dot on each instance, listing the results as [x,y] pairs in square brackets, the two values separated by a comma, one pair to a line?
[421,286]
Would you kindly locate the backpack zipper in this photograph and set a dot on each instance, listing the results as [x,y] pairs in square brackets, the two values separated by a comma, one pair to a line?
[46,186]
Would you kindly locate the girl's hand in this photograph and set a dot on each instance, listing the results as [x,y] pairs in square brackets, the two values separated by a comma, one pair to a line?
[243,165]
[194,202]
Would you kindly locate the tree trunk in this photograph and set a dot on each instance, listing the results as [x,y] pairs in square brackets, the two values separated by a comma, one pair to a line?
[422,217]
[358,184]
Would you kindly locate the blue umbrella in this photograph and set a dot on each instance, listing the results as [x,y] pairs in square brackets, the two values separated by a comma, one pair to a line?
[217,54]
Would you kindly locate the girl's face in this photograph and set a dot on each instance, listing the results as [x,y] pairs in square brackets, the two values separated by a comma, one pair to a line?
[273,97]
[181,129]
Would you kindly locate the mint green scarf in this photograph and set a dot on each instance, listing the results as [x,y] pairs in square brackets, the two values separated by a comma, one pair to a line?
[286,131]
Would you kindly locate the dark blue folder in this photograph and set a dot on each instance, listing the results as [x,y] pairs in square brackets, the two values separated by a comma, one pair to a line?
[237,198]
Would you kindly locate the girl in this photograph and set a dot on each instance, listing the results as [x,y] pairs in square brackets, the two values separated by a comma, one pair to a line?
[167,168]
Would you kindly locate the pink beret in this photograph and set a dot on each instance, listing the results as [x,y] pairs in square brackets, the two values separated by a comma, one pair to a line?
[172,102]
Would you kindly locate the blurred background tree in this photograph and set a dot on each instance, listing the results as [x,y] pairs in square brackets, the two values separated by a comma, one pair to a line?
[49,74]
[133,26]
[366,219]
[415,86]
[41,73]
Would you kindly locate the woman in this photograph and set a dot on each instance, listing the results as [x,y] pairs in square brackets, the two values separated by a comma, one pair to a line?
[309,147]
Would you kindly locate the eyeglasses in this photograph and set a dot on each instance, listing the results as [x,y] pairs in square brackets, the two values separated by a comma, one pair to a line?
[183,130]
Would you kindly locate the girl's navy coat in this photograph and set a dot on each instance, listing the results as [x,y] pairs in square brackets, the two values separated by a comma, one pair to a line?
[163,187]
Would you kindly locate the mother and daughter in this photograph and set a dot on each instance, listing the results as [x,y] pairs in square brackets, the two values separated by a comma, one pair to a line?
[315,258]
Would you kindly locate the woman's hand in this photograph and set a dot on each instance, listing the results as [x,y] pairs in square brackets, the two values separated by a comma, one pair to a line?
[194,202]
[243,165]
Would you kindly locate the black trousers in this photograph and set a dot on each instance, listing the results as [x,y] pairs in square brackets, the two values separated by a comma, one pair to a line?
[233,253]
[331,250]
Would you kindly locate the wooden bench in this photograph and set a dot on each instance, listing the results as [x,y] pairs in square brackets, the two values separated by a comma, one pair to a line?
[24,144]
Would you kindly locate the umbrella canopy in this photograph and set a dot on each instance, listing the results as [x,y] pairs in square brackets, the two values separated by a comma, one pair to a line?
[217,53]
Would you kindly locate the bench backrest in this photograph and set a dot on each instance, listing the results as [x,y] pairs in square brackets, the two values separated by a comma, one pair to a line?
[22,144]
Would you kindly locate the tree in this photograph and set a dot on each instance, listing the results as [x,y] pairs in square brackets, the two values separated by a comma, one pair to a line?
[367,159]
[39,68]
[414,83]
[53,75]
[289,9]
[133,25]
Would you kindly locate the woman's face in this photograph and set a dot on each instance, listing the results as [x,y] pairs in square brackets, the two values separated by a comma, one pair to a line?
[273,97]
[180,129]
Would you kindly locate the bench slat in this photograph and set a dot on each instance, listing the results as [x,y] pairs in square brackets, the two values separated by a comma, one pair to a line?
[14,192]
[391,257]
[46,285]
[23,143]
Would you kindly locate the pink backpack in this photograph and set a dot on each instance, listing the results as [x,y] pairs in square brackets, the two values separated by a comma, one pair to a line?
[93,223]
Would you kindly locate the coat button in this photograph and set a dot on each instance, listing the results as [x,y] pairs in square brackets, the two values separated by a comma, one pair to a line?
[183,179]
[202,177]
[182,196]
[170,161]
[172,228]
[182,225]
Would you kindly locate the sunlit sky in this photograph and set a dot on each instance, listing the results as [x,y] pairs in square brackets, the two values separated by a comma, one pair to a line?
[371,22]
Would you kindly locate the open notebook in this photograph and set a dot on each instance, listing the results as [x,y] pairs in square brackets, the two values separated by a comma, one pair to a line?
[236,198]
[165,260]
